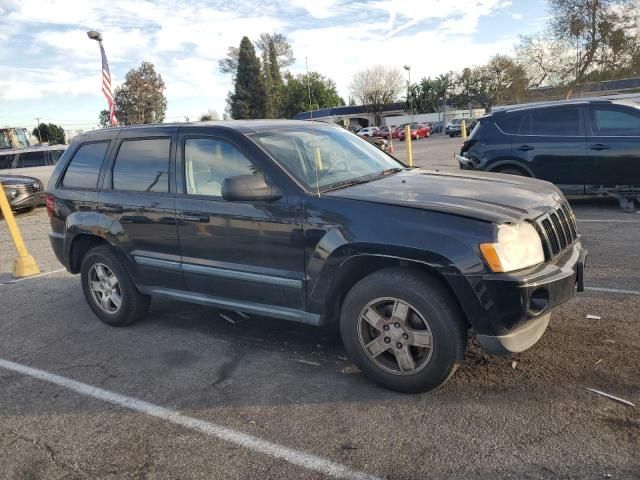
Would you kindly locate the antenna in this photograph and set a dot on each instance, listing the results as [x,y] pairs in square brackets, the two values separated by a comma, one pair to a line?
[317,160]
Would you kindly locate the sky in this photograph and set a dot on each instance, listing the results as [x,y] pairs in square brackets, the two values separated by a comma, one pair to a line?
[50,70]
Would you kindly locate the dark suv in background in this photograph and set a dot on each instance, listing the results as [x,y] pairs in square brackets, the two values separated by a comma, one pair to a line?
[583,146]
[305,221]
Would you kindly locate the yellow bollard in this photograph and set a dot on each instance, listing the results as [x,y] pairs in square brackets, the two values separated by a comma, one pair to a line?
[463,130]
[407,138]
[24,265]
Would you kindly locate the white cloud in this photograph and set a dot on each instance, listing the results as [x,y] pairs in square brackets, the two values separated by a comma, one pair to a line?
[516,16]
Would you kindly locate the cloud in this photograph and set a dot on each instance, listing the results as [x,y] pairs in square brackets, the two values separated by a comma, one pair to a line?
[516,16]
[46,54]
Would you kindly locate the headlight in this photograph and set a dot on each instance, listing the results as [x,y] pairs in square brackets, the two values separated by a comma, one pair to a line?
[518,246]
[12,194]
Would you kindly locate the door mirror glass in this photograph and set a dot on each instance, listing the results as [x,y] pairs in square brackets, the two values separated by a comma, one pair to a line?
[248,187]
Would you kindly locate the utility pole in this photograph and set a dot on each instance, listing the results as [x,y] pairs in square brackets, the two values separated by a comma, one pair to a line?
[37,119]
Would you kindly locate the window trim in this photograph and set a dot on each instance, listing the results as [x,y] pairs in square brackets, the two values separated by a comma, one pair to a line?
[107,185]
[183,164]
[582,132]
[618,108]
[63,174]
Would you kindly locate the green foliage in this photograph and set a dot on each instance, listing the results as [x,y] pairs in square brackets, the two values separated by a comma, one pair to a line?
[296,93]
[273,81]
[248,98]
[140,99]
[51,133]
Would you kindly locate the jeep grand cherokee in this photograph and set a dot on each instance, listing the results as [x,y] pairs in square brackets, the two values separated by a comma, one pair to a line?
[305,221]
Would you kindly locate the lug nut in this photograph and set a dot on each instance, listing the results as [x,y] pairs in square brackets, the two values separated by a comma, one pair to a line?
[387,340]
[399,345]
[397,325]
[405,336]
[386,328]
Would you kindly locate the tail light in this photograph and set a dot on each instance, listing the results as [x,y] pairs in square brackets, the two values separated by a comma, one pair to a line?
[50,201]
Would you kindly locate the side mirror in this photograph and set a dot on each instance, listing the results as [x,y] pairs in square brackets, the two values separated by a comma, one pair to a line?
[244,188]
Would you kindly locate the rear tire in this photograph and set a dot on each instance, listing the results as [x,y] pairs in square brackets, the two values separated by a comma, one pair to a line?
[109,290]
[432,330]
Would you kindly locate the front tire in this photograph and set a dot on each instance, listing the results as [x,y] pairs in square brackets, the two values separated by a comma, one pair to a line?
[403,329]
[109,290]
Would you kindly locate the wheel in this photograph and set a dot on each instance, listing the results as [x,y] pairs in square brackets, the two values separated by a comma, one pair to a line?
[403,329]
[513,171]
[108,289]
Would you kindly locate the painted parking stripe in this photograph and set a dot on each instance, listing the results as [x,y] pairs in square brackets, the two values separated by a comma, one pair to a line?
[612,290]
[43,274]
[291,455]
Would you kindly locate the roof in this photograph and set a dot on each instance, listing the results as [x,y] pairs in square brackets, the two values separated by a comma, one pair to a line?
[618,99]
[346,110]
[39,148]
[243,126]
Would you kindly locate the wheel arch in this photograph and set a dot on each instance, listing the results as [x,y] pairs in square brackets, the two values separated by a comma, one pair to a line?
[504,164]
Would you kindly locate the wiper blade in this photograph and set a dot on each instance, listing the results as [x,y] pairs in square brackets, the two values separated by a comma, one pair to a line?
[347,183]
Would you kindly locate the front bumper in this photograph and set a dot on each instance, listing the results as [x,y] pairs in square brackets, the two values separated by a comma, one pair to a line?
[510,312]
[27,200]
[465,163]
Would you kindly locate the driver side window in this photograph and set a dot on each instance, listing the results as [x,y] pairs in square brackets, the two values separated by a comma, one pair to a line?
[209,162]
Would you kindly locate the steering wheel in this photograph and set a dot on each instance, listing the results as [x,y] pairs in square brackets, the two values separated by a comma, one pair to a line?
[334,160]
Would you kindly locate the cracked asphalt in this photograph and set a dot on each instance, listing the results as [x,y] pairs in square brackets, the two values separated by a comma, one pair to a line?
[525,416]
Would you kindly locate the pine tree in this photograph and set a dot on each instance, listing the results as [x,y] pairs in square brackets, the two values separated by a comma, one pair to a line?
[273,82]
[248,98]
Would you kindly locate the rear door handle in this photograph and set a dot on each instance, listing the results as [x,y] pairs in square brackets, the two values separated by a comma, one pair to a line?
[110,208]
[195,217]
[599,146]
[525,148]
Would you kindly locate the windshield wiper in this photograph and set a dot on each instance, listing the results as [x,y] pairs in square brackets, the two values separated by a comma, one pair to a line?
[365,179]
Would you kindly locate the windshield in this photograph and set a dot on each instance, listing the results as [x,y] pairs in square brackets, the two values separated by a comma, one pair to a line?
[328,156]
[22,137]
[4,140]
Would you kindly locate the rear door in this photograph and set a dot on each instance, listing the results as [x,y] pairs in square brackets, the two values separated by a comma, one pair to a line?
[551,142]
[137,205]
[613,145]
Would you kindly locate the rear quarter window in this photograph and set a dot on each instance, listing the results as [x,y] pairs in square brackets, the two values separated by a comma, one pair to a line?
[84,167]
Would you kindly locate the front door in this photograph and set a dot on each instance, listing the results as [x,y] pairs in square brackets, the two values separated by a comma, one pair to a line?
[613,145]
[137,206]
[245,251]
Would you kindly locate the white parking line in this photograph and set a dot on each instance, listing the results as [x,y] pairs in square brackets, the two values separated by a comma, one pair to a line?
[293,456]
[43,274]
[613,290]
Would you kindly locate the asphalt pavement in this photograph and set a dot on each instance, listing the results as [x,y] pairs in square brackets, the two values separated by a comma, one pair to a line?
[186,394]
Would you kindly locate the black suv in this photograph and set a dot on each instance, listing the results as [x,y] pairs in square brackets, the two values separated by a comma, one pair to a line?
[584,146]
[305,221]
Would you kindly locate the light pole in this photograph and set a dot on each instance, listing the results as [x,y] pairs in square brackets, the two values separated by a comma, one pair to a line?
[106,78]
[408,69]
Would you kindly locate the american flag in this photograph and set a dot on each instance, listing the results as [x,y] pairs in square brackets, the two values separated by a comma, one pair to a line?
[106,88]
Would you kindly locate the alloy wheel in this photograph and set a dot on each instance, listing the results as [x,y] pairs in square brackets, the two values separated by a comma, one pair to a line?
[395,336]
[105,288]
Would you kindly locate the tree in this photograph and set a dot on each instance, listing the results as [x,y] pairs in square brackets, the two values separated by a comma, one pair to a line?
[140,99]
[377,86]
[210,115]
[295,98]
[272,79]
[423,96]
[248,99]
[586,40]
[50,133]
[284,52]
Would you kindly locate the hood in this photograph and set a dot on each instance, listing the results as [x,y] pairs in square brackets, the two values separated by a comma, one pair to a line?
[18,180]
[492,197]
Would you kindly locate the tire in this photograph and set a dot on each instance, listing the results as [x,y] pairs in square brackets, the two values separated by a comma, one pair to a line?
[513,171]
[434,319]
[133,304]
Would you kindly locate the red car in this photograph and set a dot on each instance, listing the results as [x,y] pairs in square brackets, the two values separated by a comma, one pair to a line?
[418,131]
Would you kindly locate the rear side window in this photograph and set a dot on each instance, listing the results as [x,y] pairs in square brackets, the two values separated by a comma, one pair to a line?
[512,123]
[556,122]
[609,121]
[142,165]
[84,167]
[34,159]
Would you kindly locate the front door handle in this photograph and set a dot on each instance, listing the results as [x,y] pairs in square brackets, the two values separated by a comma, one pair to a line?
[525,148]
[599,146]
[110,208]
[195,217]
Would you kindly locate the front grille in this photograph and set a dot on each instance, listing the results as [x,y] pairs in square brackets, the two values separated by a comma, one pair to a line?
[558,230]
[29,187]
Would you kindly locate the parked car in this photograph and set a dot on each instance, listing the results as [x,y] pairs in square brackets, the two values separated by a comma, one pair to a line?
[307,222]
[418,131]
[437,127]
[455,126]
[23,193]
[368,132]
[35,161]
[584,147]
[385,131]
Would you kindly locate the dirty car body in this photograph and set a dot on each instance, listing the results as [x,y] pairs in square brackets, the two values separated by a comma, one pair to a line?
[307,222]
[22,192]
